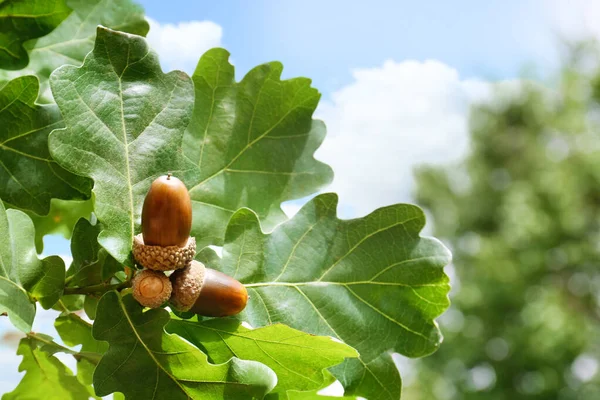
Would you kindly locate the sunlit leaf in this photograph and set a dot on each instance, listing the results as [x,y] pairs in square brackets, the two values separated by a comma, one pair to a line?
[23,277]
[124,122]
[75,331]
[253,142]
[144,362]
[372,282]
[297,358]
[45,376]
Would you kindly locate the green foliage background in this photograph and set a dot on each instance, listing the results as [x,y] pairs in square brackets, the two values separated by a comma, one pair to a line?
[521,214]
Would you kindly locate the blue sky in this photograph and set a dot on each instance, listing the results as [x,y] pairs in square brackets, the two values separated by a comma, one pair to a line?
[324,40]
[397,77]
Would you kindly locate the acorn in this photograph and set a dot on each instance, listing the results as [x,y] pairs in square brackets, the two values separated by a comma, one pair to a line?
[207,292]
[151,288]
[165,243]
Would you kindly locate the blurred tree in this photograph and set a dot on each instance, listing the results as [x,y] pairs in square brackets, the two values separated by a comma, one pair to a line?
[521,215]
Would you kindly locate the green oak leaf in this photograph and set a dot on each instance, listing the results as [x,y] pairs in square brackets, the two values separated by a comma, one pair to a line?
[45,377]
[75,331]
[24,20]
[145,362]
[29,177]
[314,394]
[90,305]
[91,263]
[297,358]
[371,282]
[253,142]
[61,219]
[124,122]
[74,38]
[70,302]
[25,278]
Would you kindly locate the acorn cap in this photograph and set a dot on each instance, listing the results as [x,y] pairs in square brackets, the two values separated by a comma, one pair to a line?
[166,258]
[187,284]
[151,288]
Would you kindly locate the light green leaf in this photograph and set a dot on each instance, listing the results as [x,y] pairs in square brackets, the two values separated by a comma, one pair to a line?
[124,123]
[372,282]
[23,277]
[29,178]
[314,395]
[24,20]
[74,38]
[75,331]
[144,362]
[46,377]
[61,219]
[297,358]
[253,142]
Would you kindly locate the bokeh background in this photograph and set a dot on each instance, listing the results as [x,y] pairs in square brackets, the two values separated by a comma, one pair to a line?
[487,114]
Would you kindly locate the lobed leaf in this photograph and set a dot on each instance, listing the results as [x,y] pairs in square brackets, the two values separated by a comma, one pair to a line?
[45,377]
[371,282]
[144,362]
[74,38]
[253,143]
[21,21]
[75,331]
[124,123]
[298,359]
[29,177]
[23,277]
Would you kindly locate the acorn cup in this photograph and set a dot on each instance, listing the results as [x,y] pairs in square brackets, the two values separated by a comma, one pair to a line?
[165,243]
[151,288]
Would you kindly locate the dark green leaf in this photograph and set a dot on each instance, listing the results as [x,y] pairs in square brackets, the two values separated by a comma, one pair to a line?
[144,362]
[253,142]
[29,178]
[125,120]
[24,20]
[372,282]
[46,377]
[24,277]
[90,305]
[297,358]
[74,38]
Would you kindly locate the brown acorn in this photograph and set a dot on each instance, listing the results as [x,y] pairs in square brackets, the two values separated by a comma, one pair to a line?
[151,288]
[165,243]
[167,213]
[207,292]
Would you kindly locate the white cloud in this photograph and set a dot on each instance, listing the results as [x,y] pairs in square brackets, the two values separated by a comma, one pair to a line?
[390,119]
[180,46]
[575,19]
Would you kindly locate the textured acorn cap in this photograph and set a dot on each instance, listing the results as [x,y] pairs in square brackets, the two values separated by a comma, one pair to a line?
[187,284]
[161,258]
[151,288]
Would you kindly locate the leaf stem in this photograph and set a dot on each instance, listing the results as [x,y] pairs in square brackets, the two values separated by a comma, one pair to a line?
[100,288]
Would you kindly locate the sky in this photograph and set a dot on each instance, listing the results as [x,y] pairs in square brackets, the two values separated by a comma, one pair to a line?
[397,79]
